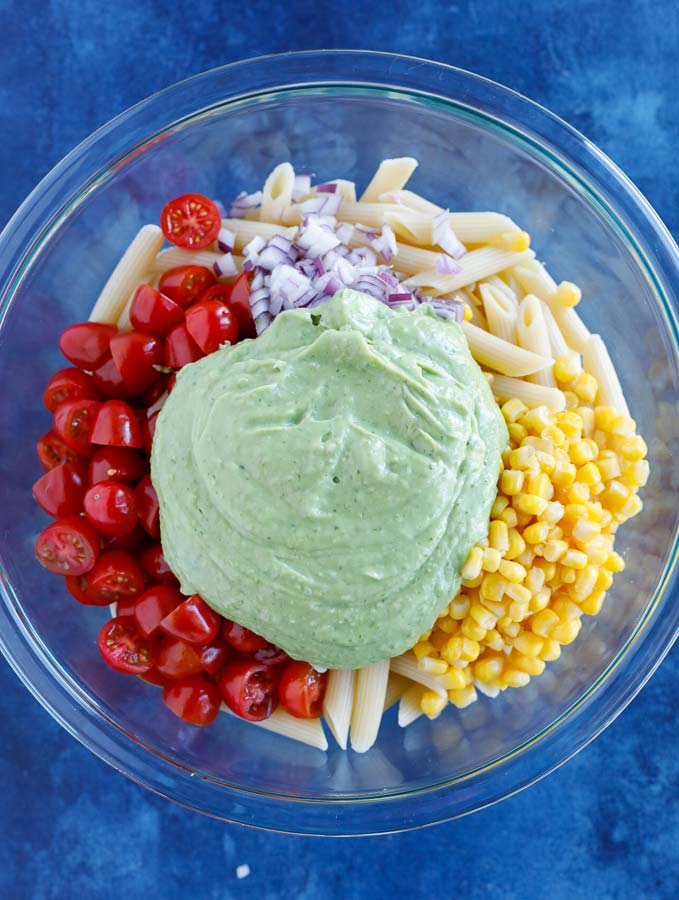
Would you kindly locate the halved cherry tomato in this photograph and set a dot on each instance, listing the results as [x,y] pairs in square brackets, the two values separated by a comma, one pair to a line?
[69,546]
[154,564]
[123,648]
[242,639]
[185,284]
[67,384]
[271,655]
[73,421]
[195,700]
[177,659]
[154,312]
[116,578]
[302,689]
[156,391]
[154,605]
[215,655]
[148,429]
[135,354]
[190,221]
[110,383]
[193,621]
[52,451]
[153,676]
[249,689]
[180,348]
[147,506]
[60,491]
[171,381]
[116,425]
[239,303]
[132,542]
[111,507]
[117,464]
[211,324]
[126,607]
[86,344]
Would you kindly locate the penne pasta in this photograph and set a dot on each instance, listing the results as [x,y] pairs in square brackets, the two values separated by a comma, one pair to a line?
[346,189]
[306,731]
[557,341]
[277,193]
[391,175]
[371,690]
[246,229]
[338,703]
[133,267]
[407,665]
[470,227]
[475,266]
[409,707]
[501,312]
[504,388]
[410,225]
[598,363]
[500,285]
[370,214]
[534,279]
[532,335]
[397,685]
[506,358]
[176,256]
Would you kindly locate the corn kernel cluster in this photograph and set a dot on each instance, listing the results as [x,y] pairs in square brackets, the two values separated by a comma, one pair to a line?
[567,480]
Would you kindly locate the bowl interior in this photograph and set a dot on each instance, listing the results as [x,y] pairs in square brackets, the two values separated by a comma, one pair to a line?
[467,162]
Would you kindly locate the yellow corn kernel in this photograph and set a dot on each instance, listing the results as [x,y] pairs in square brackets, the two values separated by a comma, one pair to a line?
[568,576]
[634,449]
[551,650]
[578,493]
[586,413]
[614,562]
[459,607]
[637,472]
[537,418]
[452,649]
[632,508]
[564,474]
[547,566]
[438,639]
[604,580]
[624,426]
[492,587]
[536,533]
[518,593]
[615,496]
[512,571]
[566,632]
[500,504]
[572,400]
[528,643]
[546,461]
[589,475]
[422,649]
[516,545]
[543,622]
[514,678]
[516,432]
[591,606]
[511,482]
[521,457]
[574,559]
[555,533]
[470,583]
[463,698]
[585,530]
[554,434]
[597,555]
[491,559]
[585,582]
[609,467]
[497,609]
[498,536]
[582,452]
[553,512]
[470,649]
[432,666]
[453,680]
[605,416]
[493,640]
[531,665]
[472,568]
[567,367]
[510,518]
[483,617]
[586,387]
[473,631]
[468,315]
[527,557]
[534,579]
[488,670]
[568,294]
[445,612]
[432,704]
[513,409]
[508,627]
[540,486]
[539,600]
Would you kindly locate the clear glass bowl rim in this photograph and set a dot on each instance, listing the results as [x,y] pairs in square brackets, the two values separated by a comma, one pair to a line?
[426,82]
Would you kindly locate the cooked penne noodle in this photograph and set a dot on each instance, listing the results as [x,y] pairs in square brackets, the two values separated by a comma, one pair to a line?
[500,312]
[532,335]
[506,358]
[176,256]
[407,665]
[370,214]
[397,685]
[346,189]
[338,703]
[371,689]
[504,388]
[409,707]
[391,175]
[245,230]
[133,267]
[306,731]
[470,227]
[409,260]
[410,225]
[496,282]
[597,362]
[277,192]
[412,201]
[557,341]
[535,279]
[475,266]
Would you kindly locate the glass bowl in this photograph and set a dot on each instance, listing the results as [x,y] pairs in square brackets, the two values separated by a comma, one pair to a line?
[337,114]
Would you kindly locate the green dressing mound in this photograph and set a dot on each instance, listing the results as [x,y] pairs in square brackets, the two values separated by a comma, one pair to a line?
[323,484]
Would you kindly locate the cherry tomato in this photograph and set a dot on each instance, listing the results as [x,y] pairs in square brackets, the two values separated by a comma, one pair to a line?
[180,348]
[153,312]
[126,607]
[117,464]
[301,690]
[73,421]
[116,578]
[153,676]
[211,324]
[249,689]
[271,655]
[69,546]
[156,391]
[154,564]
[68,384]
[242,639]
[195,700]
[171,381]
[177,659]
[190,221]
[147,506]
[148,429]
[60,491]
[77,587]
[86,344]
[239,303]
[135,354]
[52,451]
[215,655]
[110,383]
[123,648]
[193,621]
[132,542]
[116,425]
[111,507]
[186,283]
[154,605]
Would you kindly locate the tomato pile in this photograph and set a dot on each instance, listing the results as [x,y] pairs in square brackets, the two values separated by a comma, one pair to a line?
[105,537]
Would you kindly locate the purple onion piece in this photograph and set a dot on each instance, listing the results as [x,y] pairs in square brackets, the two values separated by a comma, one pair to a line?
[326,188]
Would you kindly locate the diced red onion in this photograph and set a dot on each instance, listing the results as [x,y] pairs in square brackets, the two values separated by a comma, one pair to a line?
[259,307]
[344,271]
[400,298]
[447,309]
[344,232]
[271,256]
[226,240]
[258,281]
[300,187]
[225,267]
[446,265]
[326,188]
[221,209]
[315,238]
[251,252]
[262,322]
[362,256]
[385,243]
[389,279]
[288,285]
[318,267]
[367,229]
[370,284]
[243,203]
[443,236]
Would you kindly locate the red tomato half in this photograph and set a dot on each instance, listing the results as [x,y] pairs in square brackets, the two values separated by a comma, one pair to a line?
[239,302]
[73,421]
[77,586]
[67,384]
[195,700]
[111,507]
[302,689]
[110,383]
[123,648]
[52,451]
[125,607]
[242,639]
[177,659]
[86,344]
[154,605]
[135,354]
[249,689]
[215,655]
[147,505]
[154,312]
[116,578]
[154,564]
[190,221]
[148,430]
[156,391]
[69,546]
[193,621]
[116,425]
[60,491]
[211,324]
[117,464]
[181,349]
[132,542]
[185,284]
[271,655]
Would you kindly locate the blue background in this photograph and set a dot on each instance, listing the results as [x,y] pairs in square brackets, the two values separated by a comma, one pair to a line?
[604,826]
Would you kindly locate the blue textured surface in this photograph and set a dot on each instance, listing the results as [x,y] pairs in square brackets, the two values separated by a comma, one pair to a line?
[607,824]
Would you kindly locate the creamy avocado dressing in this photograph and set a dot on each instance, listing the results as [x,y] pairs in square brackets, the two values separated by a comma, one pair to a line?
[323,484]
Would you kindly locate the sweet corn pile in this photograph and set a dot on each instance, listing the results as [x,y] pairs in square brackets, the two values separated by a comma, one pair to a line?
[567,481]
